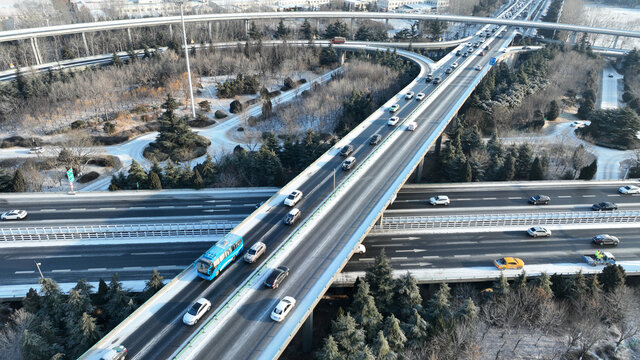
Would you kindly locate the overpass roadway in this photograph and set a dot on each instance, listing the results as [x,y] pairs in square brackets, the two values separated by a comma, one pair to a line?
[23,34]
[162,334]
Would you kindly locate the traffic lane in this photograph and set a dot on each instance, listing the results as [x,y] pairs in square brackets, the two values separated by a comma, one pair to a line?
[250,334]
[455,250]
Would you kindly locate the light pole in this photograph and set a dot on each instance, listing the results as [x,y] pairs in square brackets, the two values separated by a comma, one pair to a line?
[40,271]
[186,56]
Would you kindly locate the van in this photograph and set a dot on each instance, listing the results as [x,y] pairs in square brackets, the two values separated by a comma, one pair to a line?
[117,353]
[292,216]
[412,126]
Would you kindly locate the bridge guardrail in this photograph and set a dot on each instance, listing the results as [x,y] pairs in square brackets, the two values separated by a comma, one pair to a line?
[521,219]
[115,231]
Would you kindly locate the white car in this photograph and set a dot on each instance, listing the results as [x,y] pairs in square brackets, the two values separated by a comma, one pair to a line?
[255,252]
[394,108]
[420,96]
[36,150]
[360,249]
[196,311]
[478,68]
[538,231]
[409,95]
[393,120]
[629,189]
[439,200]
[412,126]
[283,308]
[578,124]
[14,215]
[454,65]
[293,198]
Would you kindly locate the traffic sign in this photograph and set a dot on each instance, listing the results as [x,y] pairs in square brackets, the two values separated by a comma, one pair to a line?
[492,61]
[70,175]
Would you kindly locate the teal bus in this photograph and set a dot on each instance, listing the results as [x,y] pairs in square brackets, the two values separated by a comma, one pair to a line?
[219,256]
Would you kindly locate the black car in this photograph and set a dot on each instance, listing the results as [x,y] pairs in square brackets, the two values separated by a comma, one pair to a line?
[375,139]
[448,71]
[436,80]
[604,206]
[277,276]
[348,149]
[539,200]
[429,78]
[606,239]
[458,53]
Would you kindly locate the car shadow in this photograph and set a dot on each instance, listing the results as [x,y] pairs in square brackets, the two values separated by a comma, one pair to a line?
[256,310]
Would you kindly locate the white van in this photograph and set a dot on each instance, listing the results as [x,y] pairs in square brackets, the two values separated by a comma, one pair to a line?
[412,126]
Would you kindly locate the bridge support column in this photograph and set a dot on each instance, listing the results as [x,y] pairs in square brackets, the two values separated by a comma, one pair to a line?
[36,51]
[351,33]
[130,37]
[86,47]
[386,22]
[419,171]
[341,55]
[307,334]
[210,33]
[171,31]
[438,145]
[217,29]
[574,35]
[615,42]
[246,30]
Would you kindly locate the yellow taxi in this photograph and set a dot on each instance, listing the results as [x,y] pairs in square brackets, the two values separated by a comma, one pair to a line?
[506,263]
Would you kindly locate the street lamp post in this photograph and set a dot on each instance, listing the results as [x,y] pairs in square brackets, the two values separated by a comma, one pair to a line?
[40,271]
[186,56]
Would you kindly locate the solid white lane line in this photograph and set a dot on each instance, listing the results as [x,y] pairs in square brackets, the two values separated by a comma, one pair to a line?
[61,270]
[96,269]
[150,253]
[461,256]
[82,209]
[564,196]
[195,206]
[111,208]
[515,198]
[43,210]
[400,258]
[489,198]
[24,272]
[588,196]
[166,207]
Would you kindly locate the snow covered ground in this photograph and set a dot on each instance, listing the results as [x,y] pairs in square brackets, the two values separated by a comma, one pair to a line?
[611,88]
[613,17]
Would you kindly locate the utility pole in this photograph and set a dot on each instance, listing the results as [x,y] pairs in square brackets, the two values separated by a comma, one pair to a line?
[38,266]
[186,56]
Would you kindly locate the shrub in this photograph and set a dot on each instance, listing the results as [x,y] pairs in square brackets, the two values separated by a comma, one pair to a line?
[88,177]
[220,114]
[235,107]
[627,96]
[78,124]
[139,109]
[109,127]
[205,106]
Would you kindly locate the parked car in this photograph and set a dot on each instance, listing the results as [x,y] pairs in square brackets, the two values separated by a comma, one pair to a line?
[506,263]
[348,163]
[360,249]
[346,150]
[604,206]
[629,189]
[375,139]
[439,200]
[116,353]
[605,239]
[14,215]
[196,311]
[293,198]
[420,96]
[610,75]
[292,216]
[539,200]
[409,95]
[537,231]
[255,252]
[283,308]
[394,108]
[393,120]
[277,276]
[578,124]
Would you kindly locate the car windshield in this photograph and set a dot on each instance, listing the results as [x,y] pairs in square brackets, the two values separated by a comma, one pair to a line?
[194,309]
[251,252]
[277,311]
[291,196]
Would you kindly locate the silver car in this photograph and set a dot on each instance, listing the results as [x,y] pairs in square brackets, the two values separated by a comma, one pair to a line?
[255,252]
[538,231]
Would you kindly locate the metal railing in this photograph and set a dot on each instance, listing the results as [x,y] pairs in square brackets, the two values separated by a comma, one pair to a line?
[522,219]
[115,231]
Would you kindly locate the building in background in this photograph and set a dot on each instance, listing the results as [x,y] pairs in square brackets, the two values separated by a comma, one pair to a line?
[136,8]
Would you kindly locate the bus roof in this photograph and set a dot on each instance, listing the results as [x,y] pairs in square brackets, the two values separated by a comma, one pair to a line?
[221,246]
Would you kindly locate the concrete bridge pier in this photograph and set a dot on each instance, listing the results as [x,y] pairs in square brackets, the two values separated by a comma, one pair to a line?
[86,46]
[386,22]
[615,42]
[246,30]
[341,56]
[210,32]
[351,33]
[36,51]
[171,31]
[130,37]
[574,35]
[307,334]
[418,172]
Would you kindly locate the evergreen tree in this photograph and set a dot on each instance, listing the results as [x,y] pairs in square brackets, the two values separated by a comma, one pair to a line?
[560,286]
[117,304]
[117,61]
[18,183]
[438,306]
[154,284]
[579,286]
[338,28]
[394,334]
[307,32]
[254,33]
[282,32]
[31,301]
[501,286]
[103,292]
[382,348]
[52,302]
[509,168]
[197,180]
[380,279]
[612,277]
[544,282]
[34,346]
[365,311]
[586,108]
[472,140]
[468,312]
[467,174]
[416,329]
[554,110]
[520,281]
[137,177]
[208,170]
[594,287]
[536,172]
[86,334]
[589,171]
[523,162]
[154,181]
[328,56]
[349,337]
[406,297]
[329,351]
[171,176]
[23,85]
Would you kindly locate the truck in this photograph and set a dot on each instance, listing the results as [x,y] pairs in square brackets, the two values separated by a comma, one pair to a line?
[599,258]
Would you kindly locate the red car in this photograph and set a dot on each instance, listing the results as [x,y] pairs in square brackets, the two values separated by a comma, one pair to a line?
[338,40]
[482,53]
